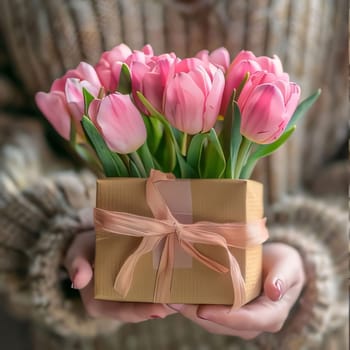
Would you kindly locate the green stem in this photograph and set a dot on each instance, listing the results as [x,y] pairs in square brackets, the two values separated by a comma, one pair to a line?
[138,162]
[184,144]
[242,156]
[248,169]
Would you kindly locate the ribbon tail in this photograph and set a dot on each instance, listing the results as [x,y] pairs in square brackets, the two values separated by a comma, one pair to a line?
[162,288]
[239,293]
[124,278]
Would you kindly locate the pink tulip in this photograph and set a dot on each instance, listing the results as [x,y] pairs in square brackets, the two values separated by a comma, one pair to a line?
[193,95]
[109,65]
[84,71]
[267,103]
[53,105]
[219,57]
[65,99]
[120,122]
[247,62]
[149,75]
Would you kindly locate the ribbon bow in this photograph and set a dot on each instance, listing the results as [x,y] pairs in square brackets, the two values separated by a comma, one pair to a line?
[165,227]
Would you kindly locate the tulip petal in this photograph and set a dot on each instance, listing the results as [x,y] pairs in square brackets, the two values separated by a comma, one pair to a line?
[293,99]
[220,57]
[153,89]
[54,107]
[121,123]
[93,110]
[213,101]
[272,65]
[87,72]
[184,103]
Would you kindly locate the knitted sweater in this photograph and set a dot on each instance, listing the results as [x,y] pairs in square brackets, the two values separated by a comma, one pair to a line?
[40,213]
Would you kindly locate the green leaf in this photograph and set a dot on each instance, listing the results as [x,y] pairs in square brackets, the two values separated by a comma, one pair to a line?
[165,153]
[123,170]
[194,153]
[226,132]
[242,157]
[303,107]
[264,151]
[150,107]
[124,84]
[135,158]
[155,130]
[235,141]
[186,170]
[134,170]
[146,158]
[111,162]
[212,161]
[88,98]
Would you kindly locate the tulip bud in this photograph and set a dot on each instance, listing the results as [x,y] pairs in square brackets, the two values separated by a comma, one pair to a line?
[65,98]
[267,103]
[109,65]
[120,123]
[193,96]
[148,76]
[246,62]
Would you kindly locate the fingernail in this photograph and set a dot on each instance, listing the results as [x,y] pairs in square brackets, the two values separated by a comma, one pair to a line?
[176,307]
[278,285]
[154,316]
[73,279]
[202,317]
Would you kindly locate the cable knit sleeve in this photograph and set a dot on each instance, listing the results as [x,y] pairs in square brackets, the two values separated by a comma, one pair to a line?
[39,217]
[318,231]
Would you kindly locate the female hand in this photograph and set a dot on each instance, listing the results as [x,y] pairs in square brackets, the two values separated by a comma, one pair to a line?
[284,279]
[78,262]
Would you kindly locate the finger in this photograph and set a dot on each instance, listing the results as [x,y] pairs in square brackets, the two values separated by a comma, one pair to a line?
[125,312]
[191,312]
[281,276]
[260,315]
[79,258]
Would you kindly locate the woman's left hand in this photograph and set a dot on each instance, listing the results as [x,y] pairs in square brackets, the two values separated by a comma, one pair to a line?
[284,279]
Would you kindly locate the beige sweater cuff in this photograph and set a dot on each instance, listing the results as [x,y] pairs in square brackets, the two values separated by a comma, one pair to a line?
[37,225]
[318,231]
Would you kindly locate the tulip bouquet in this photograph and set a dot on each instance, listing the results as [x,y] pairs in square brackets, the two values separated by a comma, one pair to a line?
[202,116]
[199,117]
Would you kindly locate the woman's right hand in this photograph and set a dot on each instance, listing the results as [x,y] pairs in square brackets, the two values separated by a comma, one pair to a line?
[79,264]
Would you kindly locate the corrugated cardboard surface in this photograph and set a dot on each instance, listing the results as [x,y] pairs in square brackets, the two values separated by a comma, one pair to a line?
[195,200]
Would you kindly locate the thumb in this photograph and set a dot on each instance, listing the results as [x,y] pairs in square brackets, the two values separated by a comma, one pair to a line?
[282,268]
[78,260]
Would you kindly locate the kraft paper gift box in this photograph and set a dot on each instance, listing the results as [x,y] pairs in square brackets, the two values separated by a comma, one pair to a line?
[189,201]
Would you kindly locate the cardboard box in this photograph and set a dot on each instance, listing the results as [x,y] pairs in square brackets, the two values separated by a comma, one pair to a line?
[216,200]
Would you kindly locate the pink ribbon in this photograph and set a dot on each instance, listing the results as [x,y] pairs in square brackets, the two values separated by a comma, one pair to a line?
[165,227]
